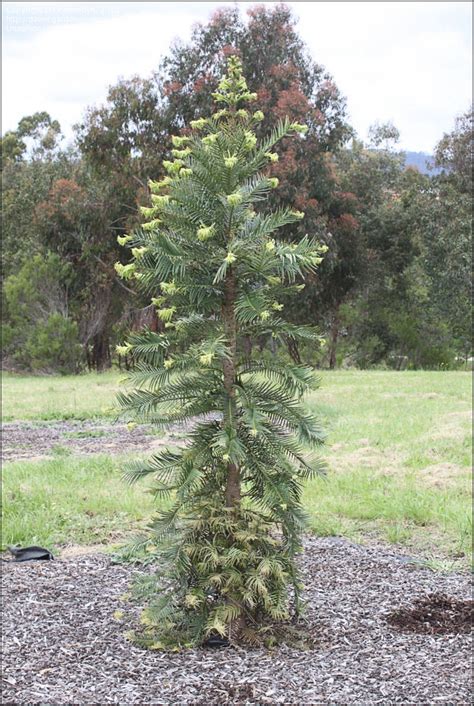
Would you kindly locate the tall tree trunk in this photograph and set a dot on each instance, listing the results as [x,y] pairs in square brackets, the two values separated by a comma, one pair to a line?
[333,340]
[232,491]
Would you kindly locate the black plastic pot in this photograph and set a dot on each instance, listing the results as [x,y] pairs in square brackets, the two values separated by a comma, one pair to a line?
[30,554]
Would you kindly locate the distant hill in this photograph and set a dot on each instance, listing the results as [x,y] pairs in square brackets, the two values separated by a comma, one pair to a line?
[420,160]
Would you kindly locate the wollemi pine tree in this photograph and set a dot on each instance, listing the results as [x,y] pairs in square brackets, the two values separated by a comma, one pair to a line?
[233,518]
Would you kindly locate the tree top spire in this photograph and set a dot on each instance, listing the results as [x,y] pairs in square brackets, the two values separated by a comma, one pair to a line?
[233,87]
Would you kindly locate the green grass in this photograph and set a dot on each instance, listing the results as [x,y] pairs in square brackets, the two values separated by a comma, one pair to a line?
[410,412]
[398,450]
[399,456]
[398,508]
[65,397]
[70,501]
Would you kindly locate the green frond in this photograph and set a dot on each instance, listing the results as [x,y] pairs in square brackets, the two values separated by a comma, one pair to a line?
[162,465]
[250,306]
[296,379]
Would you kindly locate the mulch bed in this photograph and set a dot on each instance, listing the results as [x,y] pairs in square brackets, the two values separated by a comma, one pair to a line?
[24,440]
[62,644]
[38,439]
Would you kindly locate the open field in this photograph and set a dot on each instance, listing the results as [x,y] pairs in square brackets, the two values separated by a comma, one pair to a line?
[398,450]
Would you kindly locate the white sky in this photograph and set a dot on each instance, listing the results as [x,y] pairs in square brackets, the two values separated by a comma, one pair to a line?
[408,62]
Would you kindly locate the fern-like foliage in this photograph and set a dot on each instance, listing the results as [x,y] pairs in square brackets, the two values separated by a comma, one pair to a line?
[208,260]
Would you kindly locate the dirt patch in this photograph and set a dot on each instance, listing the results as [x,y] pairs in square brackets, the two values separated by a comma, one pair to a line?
[435,615]
[40,440]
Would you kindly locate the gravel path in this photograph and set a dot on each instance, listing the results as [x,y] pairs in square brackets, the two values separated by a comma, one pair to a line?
[63,645]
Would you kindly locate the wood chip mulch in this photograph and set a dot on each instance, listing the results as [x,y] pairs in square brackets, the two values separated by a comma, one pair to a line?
[62,644]
[40,439]
[35,440]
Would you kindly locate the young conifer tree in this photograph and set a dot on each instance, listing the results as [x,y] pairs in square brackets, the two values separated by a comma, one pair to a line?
[217,276]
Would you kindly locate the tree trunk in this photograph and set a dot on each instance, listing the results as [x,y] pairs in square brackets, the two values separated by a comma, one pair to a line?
[293,350]
[88,357]
[100,353]
[232,491]
[333,341]
[248,347]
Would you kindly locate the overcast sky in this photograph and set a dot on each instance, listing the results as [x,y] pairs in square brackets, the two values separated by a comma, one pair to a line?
[408,62]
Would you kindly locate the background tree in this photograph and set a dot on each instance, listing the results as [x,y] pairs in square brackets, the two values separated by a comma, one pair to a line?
[129,134]
[454,152]
[40,334]
[75,220]
[410,302]
[448,233]
[28,171]
[207,246]
[368,177]
[54,203]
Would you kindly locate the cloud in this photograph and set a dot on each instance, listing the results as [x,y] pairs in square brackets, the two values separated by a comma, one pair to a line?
[63,68]
[405,62]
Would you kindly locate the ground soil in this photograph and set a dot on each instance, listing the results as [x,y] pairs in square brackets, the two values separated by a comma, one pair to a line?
[436,615]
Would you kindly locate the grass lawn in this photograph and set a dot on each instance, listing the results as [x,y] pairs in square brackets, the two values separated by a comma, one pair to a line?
[65,397]
[80,500]
[398,450]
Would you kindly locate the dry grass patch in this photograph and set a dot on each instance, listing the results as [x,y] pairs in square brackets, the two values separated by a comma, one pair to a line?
[75,550]
[441,475]
[385,462]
